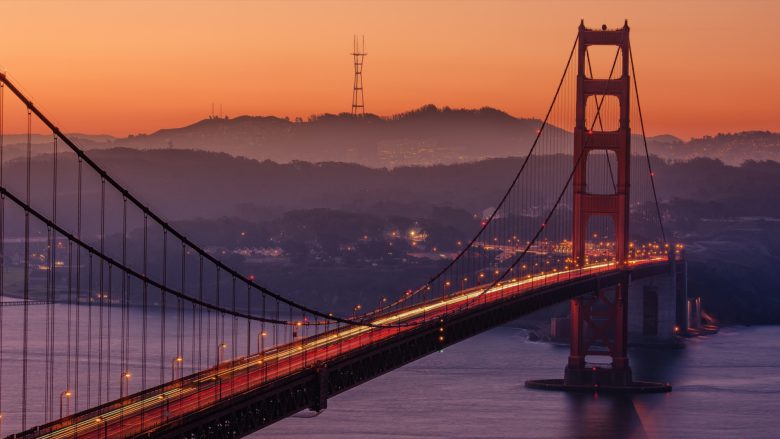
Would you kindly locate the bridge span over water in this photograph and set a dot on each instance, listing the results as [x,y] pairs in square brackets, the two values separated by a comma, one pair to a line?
[217,354]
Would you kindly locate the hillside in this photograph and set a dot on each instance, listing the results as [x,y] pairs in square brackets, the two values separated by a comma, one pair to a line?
[428,135]
[425,136]
[726,215]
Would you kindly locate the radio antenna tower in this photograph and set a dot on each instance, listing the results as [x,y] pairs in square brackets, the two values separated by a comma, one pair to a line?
[358,53]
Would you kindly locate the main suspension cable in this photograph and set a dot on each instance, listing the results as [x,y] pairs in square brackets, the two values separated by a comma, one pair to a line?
[175,233]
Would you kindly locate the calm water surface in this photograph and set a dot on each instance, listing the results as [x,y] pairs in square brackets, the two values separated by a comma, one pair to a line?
[725,386]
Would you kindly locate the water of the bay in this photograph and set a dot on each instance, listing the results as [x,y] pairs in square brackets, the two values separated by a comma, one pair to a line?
[725,386]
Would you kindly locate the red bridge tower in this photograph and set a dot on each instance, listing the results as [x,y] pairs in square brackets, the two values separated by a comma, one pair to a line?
[599,321]
[593,330]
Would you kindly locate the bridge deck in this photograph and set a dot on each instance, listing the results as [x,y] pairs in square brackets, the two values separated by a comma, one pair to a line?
[249,393]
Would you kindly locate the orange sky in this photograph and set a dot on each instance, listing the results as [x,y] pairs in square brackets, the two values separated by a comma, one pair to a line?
[131,67]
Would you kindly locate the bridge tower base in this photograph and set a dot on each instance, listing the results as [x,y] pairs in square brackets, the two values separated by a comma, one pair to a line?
[632,388]
[599,328]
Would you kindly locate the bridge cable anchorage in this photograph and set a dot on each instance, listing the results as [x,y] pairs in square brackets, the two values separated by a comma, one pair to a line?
[145,209]
[647,151]
[557,201]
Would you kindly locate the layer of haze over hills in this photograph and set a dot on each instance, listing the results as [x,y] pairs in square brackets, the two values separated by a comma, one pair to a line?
[320,199]
[328,233]
[425,136]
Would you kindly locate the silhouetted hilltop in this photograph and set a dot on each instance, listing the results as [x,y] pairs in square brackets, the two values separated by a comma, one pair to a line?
[730,148]
[424,136]
[428,135]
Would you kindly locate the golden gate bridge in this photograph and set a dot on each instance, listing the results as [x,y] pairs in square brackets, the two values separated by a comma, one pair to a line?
[139,331]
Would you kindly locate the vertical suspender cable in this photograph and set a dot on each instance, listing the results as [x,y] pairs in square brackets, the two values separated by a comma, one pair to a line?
[70,320]
[101,287]
[123,292]
[647,151]
[25,324]
[234,334]
[125,300]
[162,304]
[200,318]
[248,332]
[218,324]
[2,246]
[110,294]
[53,271]
[144,317]
[261,345]
[276,336]
[180,326]
[208,328]
[89,330]
[179,316]
[76,358]
[48,347]
[200,311]
[192,337]
[145,303]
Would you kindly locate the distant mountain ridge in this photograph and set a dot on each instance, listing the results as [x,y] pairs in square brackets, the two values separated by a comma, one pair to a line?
[425,136]
[730,148]
[428,135]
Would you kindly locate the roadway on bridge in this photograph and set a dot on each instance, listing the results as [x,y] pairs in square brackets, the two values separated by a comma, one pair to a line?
[149,410]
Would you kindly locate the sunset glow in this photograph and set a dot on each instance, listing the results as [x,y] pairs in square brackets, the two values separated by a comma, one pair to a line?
[138,67]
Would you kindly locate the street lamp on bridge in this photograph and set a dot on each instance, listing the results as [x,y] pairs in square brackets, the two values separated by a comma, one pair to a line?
[65,396]
[221,352]
[261,341]
[124,383]
[177,362]
[101,420]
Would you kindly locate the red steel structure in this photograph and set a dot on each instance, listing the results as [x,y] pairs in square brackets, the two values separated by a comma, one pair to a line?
[601,321]
[77,229]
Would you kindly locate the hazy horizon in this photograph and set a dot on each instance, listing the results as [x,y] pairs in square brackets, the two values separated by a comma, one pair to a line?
[307,119]
[461,54]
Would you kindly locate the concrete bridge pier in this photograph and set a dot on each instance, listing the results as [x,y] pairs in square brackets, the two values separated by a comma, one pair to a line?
[657,308]
[649,311]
